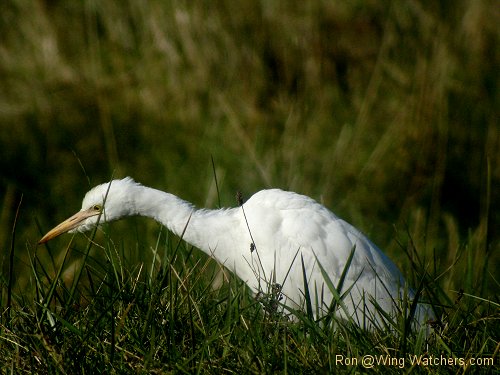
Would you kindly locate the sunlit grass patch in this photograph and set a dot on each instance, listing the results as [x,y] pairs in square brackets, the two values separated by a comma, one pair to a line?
[164,314]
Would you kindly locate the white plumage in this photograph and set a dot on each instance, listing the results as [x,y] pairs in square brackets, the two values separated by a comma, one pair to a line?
[264,242]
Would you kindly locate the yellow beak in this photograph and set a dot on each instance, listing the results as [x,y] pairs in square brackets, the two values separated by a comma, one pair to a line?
[68,224]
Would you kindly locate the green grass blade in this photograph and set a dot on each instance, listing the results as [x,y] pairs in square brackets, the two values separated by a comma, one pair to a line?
[307,295]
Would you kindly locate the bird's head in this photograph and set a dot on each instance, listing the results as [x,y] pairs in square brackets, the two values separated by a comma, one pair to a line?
[104,203]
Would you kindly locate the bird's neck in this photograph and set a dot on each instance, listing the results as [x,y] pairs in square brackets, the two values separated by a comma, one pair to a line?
[199,227]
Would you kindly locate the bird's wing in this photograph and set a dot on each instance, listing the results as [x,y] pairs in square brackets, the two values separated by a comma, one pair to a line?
[289,228]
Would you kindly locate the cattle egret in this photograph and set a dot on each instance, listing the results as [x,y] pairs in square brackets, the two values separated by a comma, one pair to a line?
[277,242]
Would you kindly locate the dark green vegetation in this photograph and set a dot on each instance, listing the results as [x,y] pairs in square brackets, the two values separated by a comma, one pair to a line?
[386,112]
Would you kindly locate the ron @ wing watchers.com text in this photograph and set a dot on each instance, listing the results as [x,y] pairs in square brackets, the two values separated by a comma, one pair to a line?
[371,361]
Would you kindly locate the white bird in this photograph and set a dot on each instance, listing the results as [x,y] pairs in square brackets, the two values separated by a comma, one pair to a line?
[270,242]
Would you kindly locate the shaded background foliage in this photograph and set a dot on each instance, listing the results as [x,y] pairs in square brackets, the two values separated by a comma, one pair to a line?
[387,112]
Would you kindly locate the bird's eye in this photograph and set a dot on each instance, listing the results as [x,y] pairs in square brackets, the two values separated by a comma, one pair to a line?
[97,207]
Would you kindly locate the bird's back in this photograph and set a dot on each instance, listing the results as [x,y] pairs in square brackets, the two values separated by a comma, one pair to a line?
[288,229]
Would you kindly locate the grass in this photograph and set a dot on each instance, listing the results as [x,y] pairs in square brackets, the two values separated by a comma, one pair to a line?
[386,112]
[164,315]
